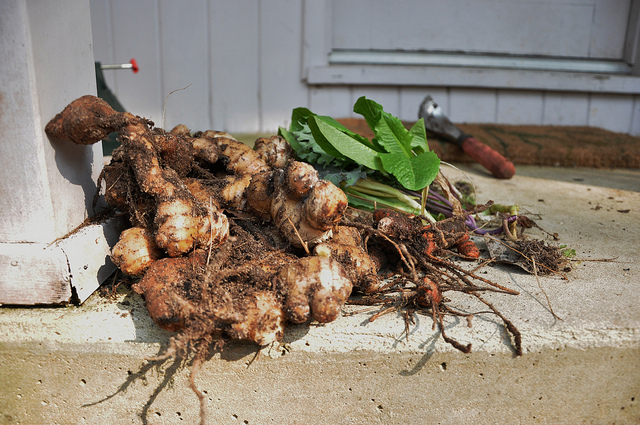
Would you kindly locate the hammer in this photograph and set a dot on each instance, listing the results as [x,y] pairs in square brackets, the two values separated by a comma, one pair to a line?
[436,122]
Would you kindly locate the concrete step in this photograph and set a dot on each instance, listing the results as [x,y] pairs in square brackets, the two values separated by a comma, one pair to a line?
[87,364]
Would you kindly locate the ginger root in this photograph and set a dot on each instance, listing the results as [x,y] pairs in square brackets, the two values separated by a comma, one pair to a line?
[177,186]
[180,222]
[179,299]
[347,248]
[274,151]
[263,321]
[166,288]
[315,287]
[85,121]
[306,209]
[135,251]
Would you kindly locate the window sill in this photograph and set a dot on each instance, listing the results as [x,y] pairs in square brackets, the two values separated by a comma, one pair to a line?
[491,78]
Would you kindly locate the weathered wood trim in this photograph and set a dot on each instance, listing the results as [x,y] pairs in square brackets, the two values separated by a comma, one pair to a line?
[32,273]
[69,270]
[88,255]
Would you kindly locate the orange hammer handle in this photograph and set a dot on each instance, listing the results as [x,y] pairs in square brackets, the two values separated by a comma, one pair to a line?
[497,164]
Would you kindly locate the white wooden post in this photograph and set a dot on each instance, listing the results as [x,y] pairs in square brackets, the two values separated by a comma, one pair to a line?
[46,188]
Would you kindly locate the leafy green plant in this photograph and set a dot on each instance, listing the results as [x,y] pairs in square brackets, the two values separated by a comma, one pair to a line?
[392,170]
[377,171]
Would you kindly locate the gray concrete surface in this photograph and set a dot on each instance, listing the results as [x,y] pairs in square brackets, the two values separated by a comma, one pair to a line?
[87,364]
[613,178]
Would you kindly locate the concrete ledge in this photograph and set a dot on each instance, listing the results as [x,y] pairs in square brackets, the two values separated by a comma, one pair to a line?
[553,386]
[86,364]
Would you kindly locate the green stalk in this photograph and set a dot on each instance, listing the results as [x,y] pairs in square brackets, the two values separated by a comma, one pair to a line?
[381,194]
[423,201]
[376,188]
[361,199]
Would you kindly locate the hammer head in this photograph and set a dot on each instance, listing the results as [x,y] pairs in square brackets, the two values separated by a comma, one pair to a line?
[435,121]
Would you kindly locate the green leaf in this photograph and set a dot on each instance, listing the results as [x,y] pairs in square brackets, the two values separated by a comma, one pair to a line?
[407,155]
[321,138]
[299,117]
[342,145]
[389,130]
[419,137]
[340,176]
[370,110]
[303,142]
[289,137]
[412,172]
[332,122]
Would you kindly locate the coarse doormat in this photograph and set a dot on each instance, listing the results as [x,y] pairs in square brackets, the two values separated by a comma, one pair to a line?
[537,145]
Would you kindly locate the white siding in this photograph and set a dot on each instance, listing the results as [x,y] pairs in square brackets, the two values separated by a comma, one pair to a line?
[136,34]
[610,111]
[183,64]
[279,67]
[234,55]
[247,64]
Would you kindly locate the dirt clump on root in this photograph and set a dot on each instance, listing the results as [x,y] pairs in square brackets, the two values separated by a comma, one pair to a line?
[535,256]
[548,259]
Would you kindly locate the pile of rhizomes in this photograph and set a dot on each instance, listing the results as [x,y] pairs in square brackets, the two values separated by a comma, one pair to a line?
[227,241]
